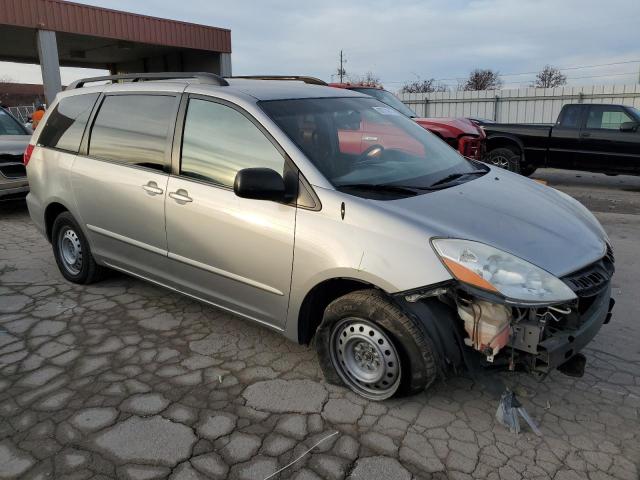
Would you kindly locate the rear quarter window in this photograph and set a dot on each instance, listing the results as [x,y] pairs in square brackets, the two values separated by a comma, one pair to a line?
[66,123]
[134,129]
[570,116]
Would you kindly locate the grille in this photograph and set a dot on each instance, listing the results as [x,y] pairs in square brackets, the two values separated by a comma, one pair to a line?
[14,170]
[609,255]
[592,279]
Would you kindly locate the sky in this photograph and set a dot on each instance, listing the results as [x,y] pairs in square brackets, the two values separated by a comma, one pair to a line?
[405,40]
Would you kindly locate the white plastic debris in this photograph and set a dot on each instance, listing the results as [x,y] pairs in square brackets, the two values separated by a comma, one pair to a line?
[509,411]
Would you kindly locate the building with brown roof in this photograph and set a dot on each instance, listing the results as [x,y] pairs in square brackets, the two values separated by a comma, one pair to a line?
[57,33]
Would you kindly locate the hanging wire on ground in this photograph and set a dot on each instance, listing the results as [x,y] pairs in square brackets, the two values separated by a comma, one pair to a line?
[300,457]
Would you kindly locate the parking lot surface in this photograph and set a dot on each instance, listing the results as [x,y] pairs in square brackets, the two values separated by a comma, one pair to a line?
[123,379]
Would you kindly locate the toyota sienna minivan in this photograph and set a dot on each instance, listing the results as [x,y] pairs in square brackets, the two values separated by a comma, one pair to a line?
[400,260]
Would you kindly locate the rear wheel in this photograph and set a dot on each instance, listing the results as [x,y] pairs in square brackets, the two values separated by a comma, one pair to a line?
[72,252]
[509,159]
[368,344]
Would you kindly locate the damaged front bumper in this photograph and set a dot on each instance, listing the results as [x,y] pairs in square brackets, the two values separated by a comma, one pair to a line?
[537,338]
[559,345]
[592,286]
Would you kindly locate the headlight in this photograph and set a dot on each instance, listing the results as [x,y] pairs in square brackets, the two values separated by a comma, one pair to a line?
[488,268]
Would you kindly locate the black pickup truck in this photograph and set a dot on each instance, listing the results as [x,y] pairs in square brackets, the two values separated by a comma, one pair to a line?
[591,137]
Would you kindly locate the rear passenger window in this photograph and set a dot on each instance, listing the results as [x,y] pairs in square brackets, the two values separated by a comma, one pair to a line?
[219,140]
[133,129]
[66,123]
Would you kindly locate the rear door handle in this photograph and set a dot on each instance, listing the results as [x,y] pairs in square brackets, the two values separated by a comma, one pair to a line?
[585,134]
[152,188]
[181,196]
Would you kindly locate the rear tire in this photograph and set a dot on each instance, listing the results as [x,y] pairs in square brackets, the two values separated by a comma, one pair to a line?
[509,159]
[366,343]
[72,252]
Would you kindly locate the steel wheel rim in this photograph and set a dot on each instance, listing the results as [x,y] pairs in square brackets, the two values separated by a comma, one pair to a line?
[365,358]
[70,250]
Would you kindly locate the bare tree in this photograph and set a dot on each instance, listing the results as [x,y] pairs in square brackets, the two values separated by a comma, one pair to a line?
[423,86]
[368,77]
[549,77]
[482,79]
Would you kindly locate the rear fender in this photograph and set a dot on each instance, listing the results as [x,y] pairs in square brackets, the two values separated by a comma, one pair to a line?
[504,140]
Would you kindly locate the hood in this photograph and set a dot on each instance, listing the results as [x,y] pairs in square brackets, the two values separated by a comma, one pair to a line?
[536,223]
[13,144]
[450,127]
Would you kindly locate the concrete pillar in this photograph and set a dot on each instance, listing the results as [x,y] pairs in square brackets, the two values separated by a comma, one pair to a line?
[49,64]
[225,64]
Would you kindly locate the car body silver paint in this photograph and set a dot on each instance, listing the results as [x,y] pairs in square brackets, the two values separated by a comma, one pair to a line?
[382,243]
[232,251]
[511,213]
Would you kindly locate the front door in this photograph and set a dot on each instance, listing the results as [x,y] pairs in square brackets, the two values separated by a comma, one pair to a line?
[120,184]
[607,148]
[236,253]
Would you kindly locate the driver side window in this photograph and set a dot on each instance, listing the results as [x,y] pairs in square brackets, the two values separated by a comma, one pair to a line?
[218,141]
[607,118]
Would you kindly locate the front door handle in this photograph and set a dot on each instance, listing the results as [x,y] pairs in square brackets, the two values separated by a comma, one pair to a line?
[585,134]
[152,188]
[181,196]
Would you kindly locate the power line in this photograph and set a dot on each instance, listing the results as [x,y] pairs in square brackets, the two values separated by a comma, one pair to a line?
[573,68]
[589,76]
[577,67]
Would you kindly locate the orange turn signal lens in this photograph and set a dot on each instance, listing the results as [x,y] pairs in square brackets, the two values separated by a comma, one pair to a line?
[467,276]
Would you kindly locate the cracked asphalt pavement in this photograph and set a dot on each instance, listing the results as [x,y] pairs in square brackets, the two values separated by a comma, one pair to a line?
[123,379]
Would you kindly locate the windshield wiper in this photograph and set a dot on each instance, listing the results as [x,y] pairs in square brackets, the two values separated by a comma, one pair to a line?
[381,187]
[455,176]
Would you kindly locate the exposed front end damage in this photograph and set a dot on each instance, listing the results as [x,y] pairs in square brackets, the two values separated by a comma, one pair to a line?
[482,329]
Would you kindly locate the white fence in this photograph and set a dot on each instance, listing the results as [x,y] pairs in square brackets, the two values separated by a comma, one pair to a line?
[524,105]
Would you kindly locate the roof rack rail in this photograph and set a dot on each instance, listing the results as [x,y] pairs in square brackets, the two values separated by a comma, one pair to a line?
[299,78]
[201,77]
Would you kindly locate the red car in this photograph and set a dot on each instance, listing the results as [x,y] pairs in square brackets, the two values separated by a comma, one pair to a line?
[460,133]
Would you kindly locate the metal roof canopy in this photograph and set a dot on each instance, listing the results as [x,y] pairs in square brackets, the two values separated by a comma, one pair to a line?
[121,42]
[98,36]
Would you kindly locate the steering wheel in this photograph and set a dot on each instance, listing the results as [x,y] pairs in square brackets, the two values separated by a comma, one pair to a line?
[373,152]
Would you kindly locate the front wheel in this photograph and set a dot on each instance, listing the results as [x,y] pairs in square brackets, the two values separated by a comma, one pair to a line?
[368,344]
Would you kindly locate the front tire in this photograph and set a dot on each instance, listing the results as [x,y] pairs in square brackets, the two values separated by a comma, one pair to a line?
[366,343]
[72,252]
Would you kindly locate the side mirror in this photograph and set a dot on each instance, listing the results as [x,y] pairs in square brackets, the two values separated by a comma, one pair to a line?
[629,126]
[260,184]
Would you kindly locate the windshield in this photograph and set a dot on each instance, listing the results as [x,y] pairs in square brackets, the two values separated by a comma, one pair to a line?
[636,112]
[360,142]
[387,98]
[9,126]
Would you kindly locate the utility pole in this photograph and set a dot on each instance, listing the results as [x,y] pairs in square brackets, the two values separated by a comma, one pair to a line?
[341,70]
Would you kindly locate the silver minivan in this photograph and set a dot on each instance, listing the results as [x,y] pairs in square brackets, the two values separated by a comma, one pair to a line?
[323,214]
